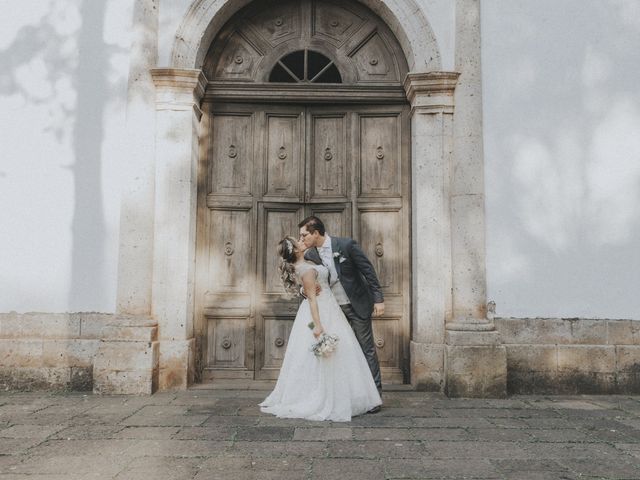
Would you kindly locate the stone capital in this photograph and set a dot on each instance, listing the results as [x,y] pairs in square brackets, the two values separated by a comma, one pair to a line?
[178,88]
[431,91]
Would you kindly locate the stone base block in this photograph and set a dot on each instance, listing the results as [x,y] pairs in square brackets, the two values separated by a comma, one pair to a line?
[476,371]
[126,368]
[35,378]
[427,367]
[177,364]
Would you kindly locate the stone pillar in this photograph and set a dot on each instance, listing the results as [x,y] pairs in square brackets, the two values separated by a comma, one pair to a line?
[431,98]
[178,94]
[475,362]
[135,262]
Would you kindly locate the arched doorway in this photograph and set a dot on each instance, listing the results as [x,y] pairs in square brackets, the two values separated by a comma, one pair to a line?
[304,112]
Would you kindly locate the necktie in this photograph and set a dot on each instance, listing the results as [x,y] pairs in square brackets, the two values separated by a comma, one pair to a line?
[323,257]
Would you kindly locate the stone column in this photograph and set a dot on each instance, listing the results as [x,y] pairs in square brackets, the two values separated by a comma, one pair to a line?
[475,360]
[431,98]
[178,94]
[126,361]
[135,262]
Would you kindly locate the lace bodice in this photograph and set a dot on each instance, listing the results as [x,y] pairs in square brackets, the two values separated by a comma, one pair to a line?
[322,271]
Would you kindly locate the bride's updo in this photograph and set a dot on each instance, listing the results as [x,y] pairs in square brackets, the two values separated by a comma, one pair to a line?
[287,269]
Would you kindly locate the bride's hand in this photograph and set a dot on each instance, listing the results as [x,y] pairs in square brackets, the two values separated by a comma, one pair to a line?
[317,331]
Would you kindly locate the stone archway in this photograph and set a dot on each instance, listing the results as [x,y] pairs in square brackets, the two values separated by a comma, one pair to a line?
[179,94]
[448,288]
[405,18]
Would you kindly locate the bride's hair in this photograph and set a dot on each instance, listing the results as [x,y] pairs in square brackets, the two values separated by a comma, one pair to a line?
[287,269]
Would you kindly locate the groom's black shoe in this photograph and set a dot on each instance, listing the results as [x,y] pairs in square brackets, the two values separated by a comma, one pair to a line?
[375,409]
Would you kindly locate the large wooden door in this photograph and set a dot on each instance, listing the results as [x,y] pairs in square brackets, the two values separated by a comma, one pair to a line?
[265,168]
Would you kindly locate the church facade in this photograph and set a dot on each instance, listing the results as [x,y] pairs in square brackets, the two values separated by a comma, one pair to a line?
[243,117]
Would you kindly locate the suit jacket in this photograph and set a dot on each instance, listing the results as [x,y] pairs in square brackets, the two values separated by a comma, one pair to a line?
[355,272]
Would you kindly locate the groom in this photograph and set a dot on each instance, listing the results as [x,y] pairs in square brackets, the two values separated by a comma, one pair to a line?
[353,282]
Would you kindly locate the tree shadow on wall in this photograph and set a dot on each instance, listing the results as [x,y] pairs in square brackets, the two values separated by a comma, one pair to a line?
[86,70]
[561,107]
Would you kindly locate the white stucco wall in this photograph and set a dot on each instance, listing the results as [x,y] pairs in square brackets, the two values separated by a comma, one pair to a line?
[63,75]
[562,154]
[561,116]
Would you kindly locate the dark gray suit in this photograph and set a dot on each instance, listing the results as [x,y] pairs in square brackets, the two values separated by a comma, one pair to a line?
[360,282]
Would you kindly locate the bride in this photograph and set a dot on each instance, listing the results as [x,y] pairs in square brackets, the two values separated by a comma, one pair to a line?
[332,387]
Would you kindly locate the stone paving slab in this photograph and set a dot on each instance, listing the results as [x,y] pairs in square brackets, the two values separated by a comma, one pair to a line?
[221,434]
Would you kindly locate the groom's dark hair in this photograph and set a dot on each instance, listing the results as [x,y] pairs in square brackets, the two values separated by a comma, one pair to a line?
[313,224]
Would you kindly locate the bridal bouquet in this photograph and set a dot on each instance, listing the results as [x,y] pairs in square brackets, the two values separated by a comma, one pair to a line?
[325,344]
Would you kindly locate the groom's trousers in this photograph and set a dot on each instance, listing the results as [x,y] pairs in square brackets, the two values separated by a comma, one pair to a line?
[364,333]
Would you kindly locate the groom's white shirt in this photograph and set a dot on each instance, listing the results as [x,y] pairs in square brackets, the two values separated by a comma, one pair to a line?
[326,254]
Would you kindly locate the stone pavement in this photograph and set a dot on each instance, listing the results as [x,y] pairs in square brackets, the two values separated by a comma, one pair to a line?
[220,434]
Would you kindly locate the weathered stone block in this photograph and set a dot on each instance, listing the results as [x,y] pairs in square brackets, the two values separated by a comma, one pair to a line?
[628,383]
[533,330]
[39,325]
[628,359]
[113,382]
[176,364]
[81,379]
[126,355]
[586,332]
[7,324]
[92,325]
[525,358]
[30,378]
[130,333]
[72,352]
[623,332]
[453,337]
[586,358]
[532,382]
[586,382]
[427,366]
[126,367]
[21,353]
[476,371]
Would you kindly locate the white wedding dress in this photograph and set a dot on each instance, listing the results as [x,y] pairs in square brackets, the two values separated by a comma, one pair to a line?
[334,387]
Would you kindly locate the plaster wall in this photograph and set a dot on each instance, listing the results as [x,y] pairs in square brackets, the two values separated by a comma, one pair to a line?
[561,109]
[63,79]
[562,157]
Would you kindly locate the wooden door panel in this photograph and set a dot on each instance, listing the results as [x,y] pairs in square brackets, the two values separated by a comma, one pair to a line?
[276,310]
[276,222]
[276,339]
[227,300]
[387,334]
[328,166]
[227,340]
[380,156]
[381,239]
[284,155]
[232,154]
[336,217]
[230,254]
